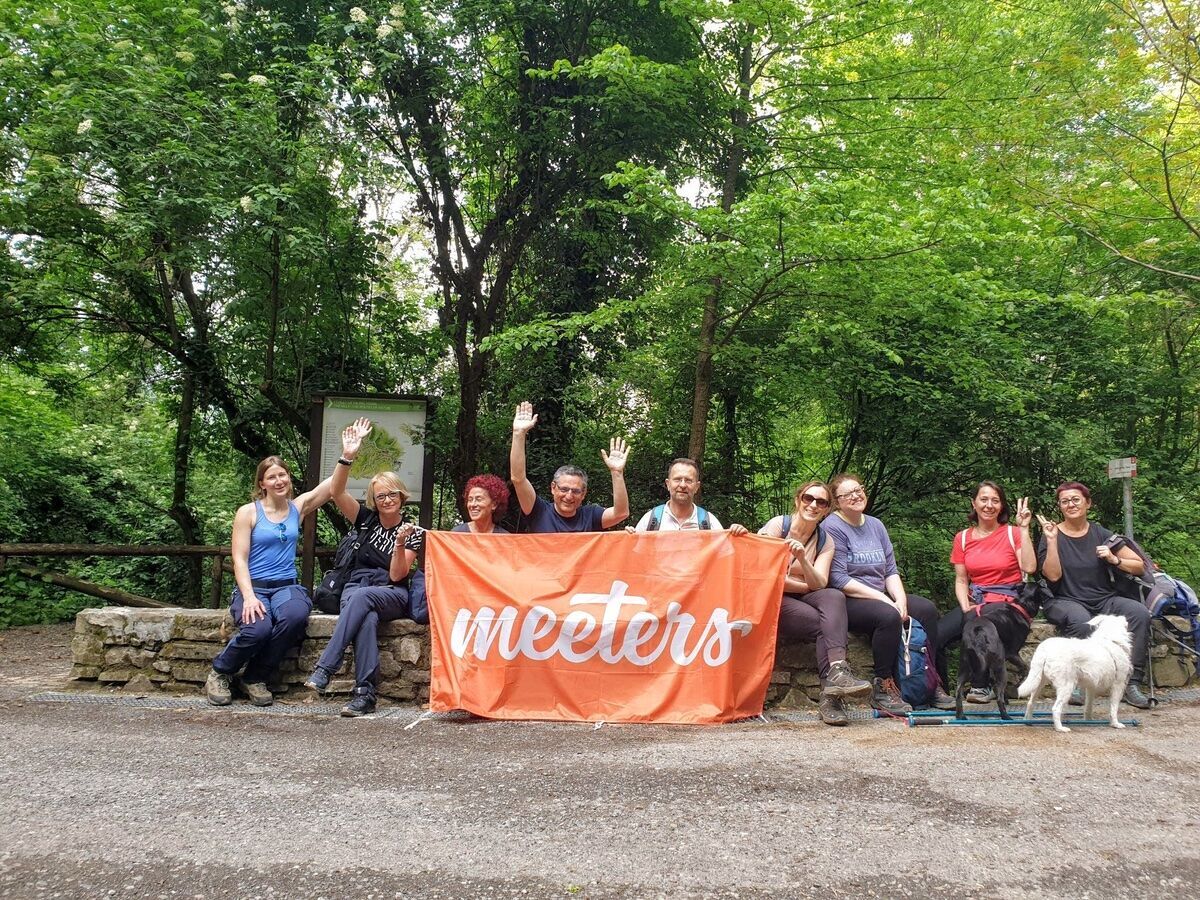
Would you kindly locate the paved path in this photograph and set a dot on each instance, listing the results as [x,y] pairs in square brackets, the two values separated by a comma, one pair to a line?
[106,800]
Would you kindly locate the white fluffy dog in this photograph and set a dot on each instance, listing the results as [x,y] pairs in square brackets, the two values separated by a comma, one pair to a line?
[1099,664]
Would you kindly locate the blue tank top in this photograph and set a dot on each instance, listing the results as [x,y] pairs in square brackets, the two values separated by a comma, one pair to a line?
[273,545]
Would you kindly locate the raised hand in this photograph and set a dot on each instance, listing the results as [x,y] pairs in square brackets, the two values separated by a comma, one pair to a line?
[1024,514]
[353,435]
[524,419]
[617,455]
[1049,529]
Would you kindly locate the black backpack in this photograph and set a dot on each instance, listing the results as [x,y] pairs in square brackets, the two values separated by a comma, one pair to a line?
[1142,588]
[327,596]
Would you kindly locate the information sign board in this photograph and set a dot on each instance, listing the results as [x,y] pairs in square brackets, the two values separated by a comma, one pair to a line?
[396,442]
[1126,467]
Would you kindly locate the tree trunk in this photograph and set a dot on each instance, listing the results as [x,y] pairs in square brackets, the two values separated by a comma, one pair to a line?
[179,511]
[112,595]
[706,341]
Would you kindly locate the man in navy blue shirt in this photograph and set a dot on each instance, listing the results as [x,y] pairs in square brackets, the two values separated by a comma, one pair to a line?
[568,512]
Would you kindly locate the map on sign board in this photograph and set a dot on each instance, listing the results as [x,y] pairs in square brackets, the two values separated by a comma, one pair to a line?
[396,442]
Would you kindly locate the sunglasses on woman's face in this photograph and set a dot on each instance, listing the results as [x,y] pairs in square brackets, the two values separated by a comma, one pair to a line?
[809,500]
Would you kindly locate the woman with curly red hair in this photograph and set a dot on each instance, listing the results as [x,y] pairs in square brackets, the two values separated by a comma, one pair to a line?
[486,500]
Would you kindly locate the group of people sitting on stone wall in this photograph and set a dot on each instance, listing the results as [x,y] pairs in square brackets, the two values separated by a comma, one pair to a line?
[842,576]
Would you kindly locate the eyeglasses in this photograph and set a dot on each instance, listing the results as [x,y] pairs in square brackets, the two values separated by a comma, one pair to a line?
[809,499]
[387,495]
[856,494]
[282,526]
[1071,501]
[573,491]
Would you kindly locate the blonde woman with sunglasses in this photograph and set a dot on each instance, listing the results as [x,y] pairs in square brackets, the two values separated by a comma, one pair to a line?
[811,611]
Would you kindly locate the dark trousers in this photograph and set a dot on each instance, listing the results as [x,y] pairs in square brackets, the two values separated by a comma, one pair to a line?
[881,623]
[367,600]
[950,629]
[260,646]
[816,617]
[1071,617]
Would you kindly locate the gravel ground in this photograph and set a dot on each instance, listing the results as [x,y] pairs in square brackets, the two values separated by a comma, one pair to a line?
[106,800]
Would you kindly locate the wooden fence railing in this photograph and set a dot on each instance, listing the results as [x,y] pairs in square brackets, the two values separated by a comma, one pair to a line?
[220,564]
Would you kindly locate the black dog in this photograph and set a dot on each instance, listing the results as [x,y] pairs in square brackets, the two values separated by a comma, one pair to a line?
[994,634]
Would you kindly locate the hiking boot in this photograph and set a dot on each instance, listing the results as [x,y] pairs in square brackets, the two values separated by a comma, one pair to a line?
[257,692]
[885,697]
[318,681]
[942,700]
[218,689]
[361,704]
[832,710]
[1134,696]
[841,682]
[981,695]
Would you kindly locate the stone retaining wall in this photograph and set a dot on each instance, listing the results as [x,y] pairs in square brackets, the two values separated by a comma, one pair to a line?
[794,681]
[173,649]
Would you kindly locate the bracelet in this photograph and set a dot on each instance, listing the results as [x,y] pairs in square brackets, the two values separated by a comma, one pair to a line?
[342,461]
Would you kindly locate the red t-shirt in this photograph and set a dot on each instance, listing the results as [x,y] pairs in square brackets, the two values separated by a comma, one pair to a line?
[991,559]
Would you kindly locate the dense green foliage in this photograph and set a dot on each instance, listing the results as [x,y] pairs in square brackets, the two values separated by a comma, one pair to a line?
[928,241]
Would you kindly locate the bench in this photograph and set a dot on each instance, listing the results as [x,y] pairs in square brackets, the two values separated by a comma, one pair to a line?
[172,650]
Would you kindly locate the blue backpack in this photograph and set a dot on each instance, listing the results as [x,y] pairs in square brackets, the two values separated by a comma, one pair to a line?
[1178,599]
[915,674]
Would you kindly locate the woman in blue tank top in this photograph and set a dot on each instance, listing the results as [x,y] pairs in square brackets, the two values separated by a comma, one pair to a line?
[269,605]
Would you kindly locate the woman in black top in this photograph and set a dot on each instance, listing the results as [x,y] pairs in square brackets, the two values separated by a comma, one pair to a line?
[377,589]
[1081,569]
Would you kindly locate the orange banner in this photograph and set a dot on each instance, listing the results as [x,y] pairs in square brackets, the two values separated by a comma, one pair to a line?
[614,627]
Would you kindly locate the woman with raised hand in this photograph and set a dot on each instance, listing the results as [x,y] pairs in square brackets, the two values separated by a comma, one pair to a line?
[377,589]
[990,559]
[877,603]
[1081,562]
[811,611]
[486,500]
[269,604]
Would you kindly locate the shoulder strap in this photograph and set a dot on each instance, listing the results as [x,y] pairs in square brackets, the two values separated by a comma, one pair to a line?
[821,536]
[702,519]
[787,525]
[656,517]
[361,533]
[963,538]
[1011,542]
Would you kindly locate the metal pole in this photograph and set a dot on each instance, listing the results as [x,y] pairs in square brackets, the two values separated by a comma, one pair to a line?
[1127,493]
